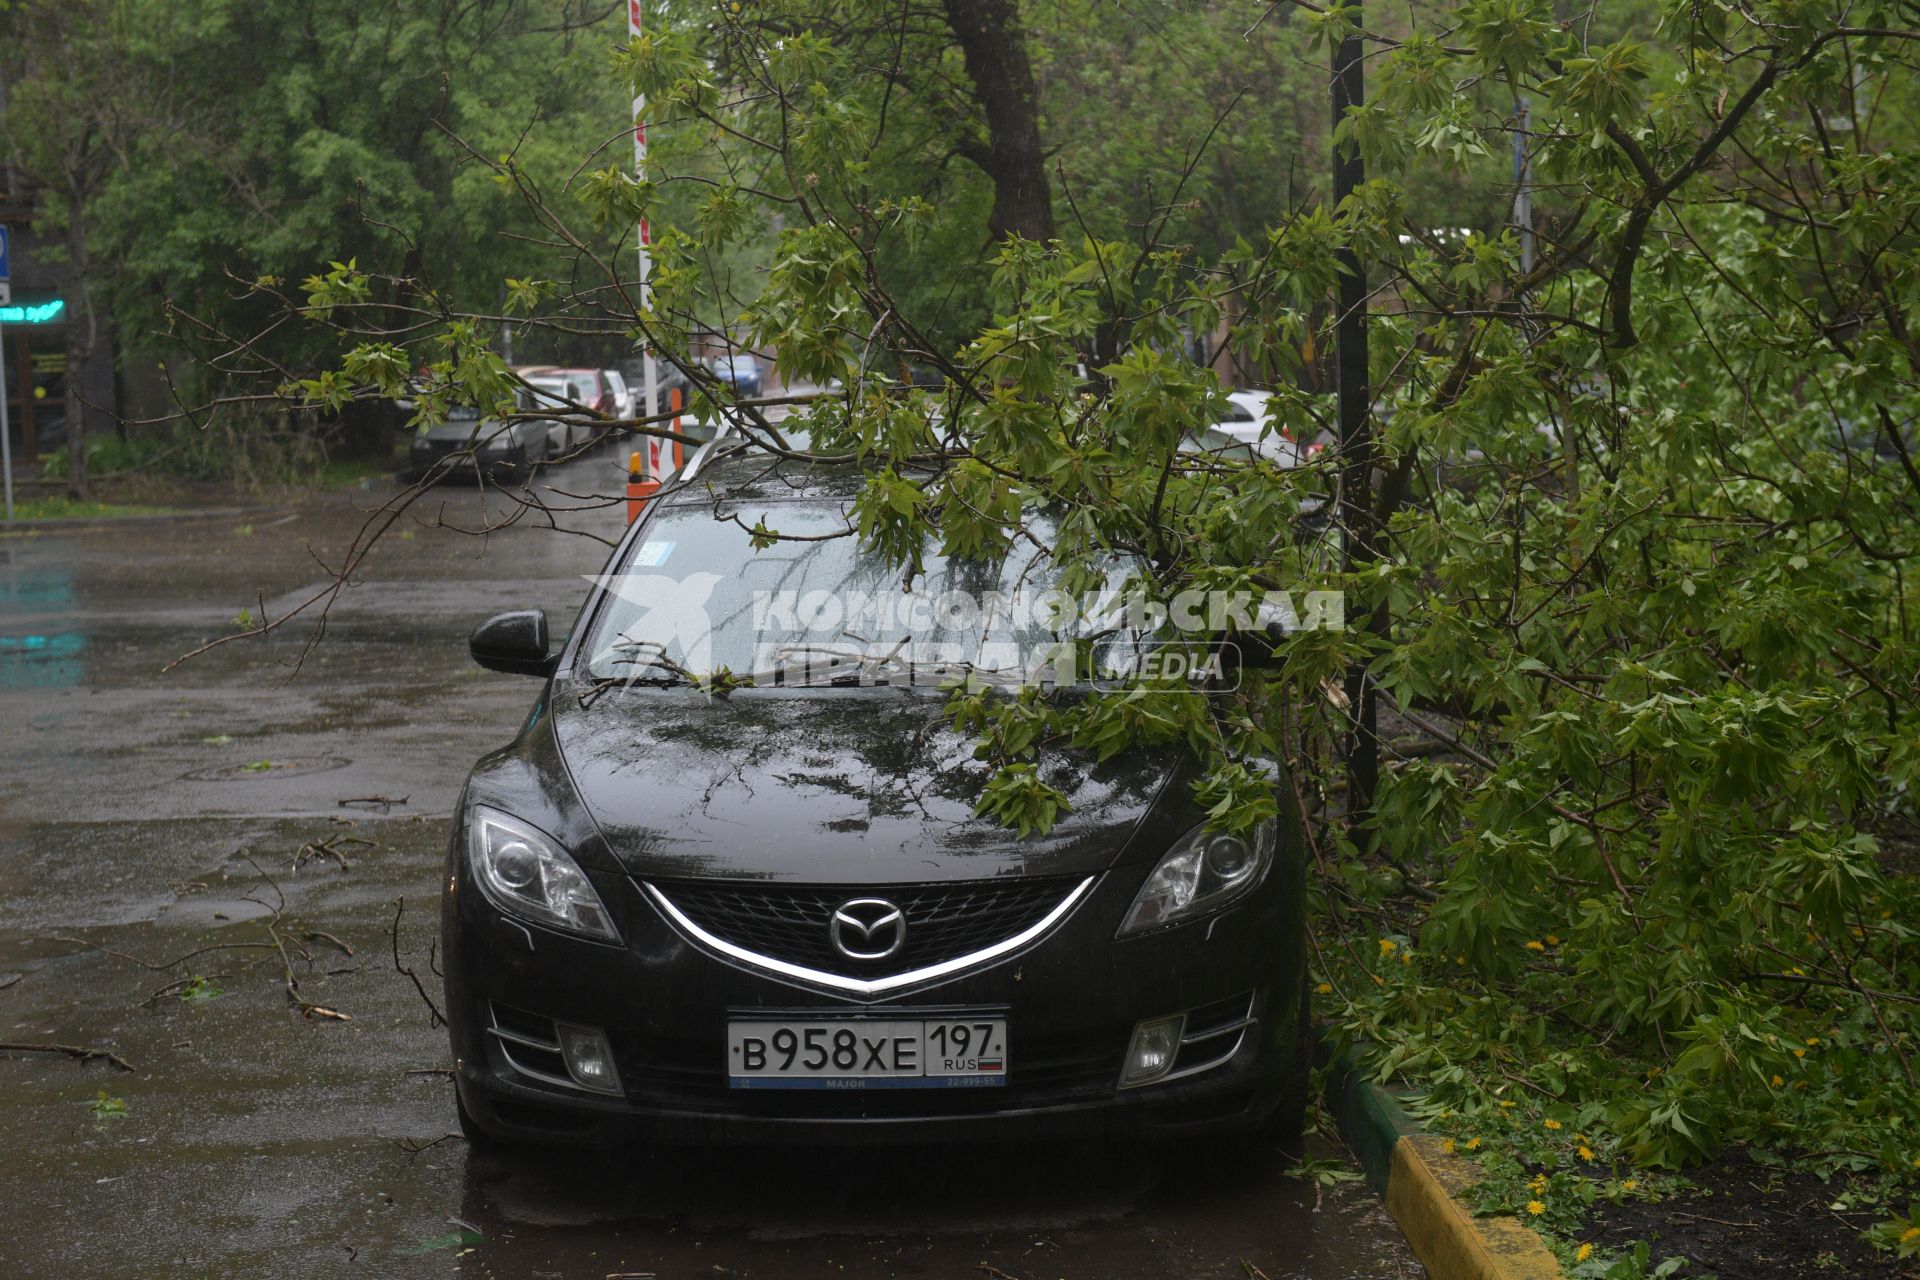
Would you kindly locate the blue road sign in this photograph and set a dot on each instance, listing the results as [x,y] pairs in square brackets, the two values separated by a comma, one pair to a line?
[6,267]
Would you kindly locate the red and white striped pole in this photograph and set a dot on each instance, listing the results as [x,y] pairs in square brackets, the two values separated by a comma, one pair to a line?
[651,376]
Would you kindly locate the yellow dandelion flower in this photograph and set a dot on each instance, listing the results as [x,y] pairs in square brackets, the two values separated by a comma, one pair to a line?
[1799,1053]
[1507,1103]
[1533,945]
[1535,1208]
[1777,1082]
[1630,1184]
[1586,1153]
[1538,1185]
[1388,946]
[1325,988]
[1459,959]
[1473,1144]
[1584,1252]
[1812,1041]
[1406,957]
[1553,940]
[1551,1124]
[1447,1146]
[1910,1235]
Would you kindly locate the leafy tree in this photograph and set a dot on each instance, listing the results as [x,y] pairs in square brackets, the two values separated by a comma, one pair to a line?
[64,127]
[1633,524]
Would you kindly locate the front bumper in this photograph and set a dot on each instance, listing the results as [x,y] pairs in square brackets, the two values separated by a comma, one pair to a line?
[1071,1000]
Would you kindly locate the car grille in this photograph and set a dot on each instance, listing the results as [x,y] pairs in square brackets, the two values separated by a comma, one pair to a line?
[790,924]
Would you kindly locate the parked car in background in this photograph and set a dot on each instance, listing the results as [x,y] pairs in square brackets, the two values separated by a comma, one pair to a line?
[667,376]
[741,372]
[566,386]
[1247,418]
[467,444]
[549,389]
[780,913]
[623,395]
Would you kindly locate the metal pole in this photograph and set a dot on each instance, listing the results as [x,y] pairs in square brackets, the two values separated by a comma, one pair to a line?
[651,376]
[1356,443]
[1523,183]
[6,429]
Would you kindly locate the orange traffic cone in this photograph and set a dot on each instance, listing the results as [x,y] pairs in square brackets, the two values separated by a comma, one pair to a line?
[640,487]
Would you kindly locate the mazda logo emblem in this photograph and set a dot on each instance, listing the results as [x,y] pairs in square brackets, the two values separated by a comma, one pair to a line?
[867,929]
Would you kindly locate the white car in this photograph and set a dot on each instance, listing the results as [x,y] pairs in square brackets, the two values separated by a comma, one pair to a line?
[551,390]
[1246,419]
[624,397]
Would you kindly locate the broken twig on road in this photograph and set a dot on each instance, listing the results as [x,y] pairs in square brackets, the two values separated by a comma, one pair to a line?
[399,909]
[80,1052]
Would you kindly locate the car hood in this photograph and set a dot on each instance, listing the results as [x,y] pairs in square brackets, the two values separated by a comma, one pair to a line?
[841,786]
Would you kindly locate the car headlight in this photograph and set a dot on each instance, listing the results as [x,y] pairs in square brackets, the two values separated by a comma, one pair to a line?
[1203,872]
[526,874]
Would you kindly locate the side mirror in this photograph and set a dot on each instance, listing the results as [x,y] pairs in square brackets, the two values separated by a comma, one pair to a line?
[515,643]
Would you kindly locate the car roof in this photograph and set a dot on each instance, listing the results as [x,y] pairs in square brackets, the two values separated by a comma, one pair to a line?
[551,370]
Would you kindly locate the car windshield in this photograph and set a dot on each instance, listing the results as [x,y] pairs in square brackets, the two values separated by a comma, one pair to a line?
[550,391]
[585,388]
[695,596]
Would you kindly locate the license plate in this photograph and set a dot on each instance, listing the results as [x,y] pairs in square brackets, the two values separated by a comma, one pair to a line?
[867,1053]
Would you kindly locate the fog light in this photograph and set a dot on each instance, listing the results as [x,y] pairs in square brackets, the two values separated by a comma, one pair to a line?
[589,1058]
[1150,1056]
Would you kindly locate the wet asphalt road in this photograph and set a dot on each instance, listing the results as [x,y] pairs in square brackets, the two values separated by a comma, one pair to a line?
[257,1142]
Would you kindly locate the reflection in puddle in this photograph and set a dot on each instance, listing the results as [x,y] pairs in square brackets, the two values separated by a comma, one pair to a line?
[1091,1212]
[37,659]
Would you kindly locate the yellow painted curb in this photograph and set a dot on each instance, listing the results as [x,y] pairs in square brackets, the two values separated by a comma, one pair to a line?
[1425,1195]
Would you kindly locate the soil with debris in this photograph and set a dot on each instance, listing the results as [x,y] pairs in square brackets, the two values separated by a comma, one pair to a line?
[1746,1221]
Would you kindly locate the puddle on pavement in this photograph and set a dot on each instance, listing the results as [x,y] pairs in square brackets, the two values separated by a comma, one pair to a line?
[1105,1212]
[298,766]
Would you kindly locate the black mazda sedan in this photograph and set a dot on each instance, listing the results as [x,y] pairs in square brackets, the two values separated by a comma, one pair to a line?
[771,913]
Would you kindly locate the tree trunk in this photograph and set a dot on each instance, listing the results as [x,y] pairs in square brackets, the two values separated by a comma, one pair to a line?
[79,336]
[995,47]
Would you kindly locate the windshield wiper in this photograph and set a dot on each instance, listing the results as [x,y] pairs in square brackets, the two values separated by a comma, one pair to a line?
[961,667]
[841,666]
[643,655]
[845,667]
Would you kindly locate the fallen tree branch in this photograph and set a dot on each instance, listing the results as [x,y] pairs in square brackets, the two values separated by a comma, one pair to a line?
[79,1052]
[399,909]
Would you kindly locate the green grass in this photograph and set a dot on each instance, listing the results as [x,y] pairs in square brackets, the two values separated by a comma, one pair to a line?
[63,508]
[348,473]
